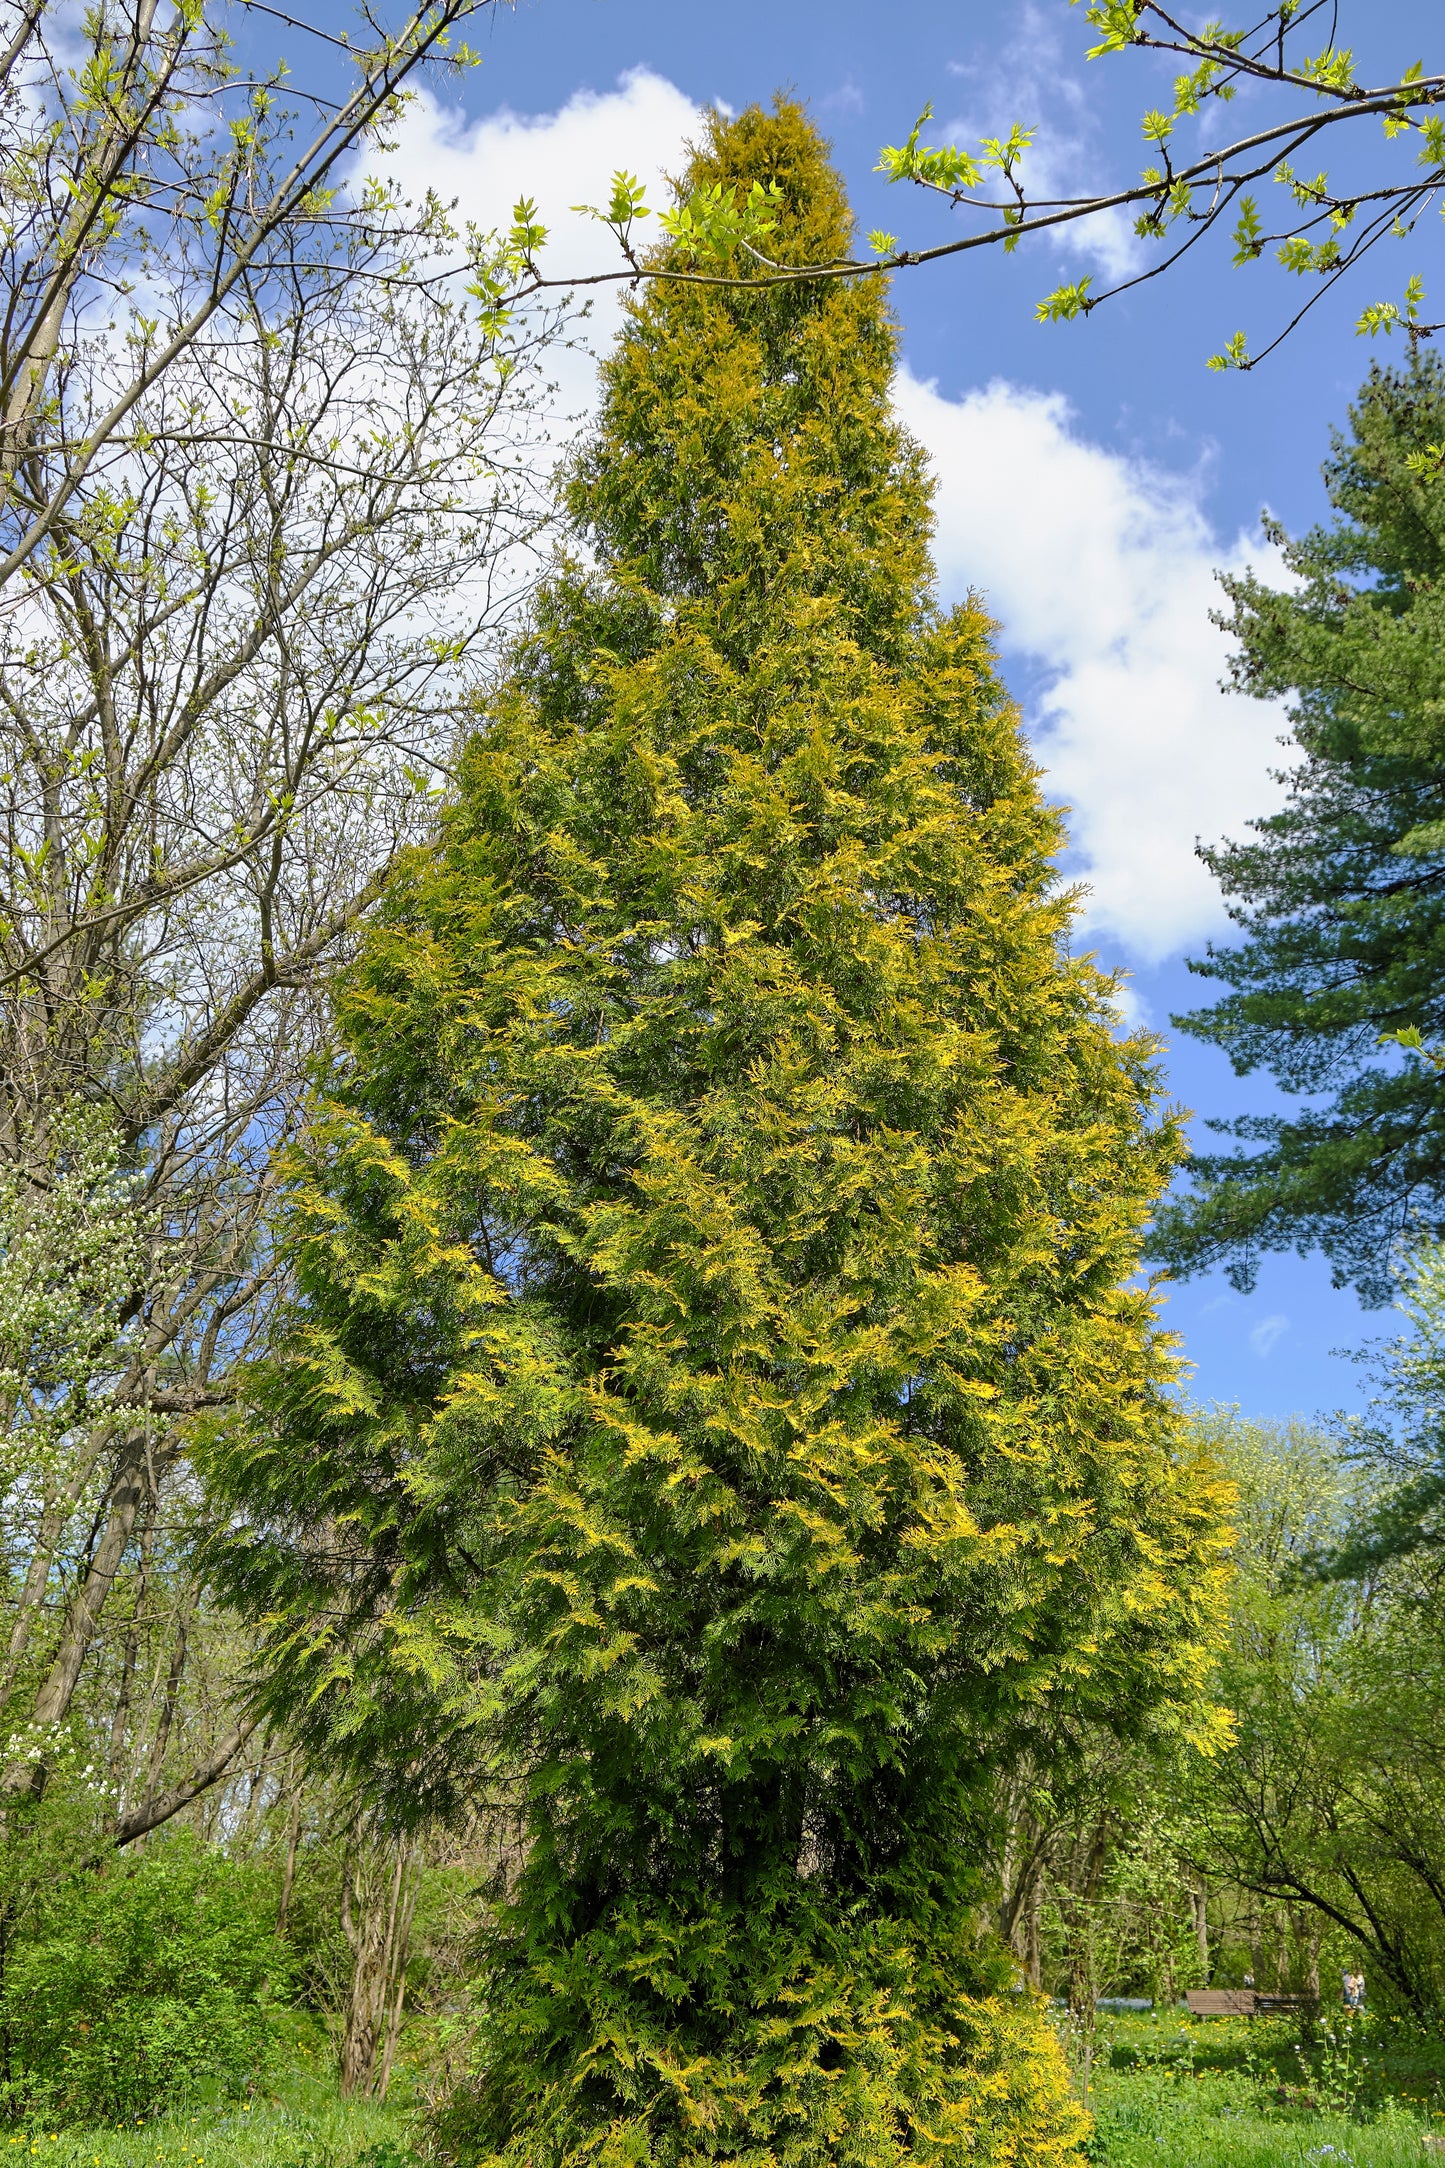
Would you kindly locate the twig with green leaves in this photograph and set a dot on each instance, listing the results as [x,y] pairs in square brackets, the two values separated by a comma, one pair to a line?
[1322,232]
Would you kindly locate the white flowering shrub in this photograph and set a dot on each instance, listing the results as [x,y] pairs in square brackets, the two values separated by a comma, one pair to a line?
[74,1245]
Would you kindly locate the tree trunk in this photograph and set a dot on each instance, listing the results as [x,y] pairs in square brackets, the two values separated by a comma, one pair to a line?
[129,1489]
[378,1893]
[1201,1930]
[1034,1946]
[161,1806]
[393,2026]
[293,1839]
[166,1721]
[42,1557]
[121,1716]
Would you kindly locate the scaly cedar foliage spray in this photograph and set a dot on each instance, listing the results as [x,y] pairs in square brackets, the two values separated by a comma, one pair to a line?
[718,1407]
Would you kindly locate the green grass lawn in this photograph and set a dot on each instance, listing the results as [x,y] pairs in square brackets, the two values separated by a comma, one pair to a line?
[1252,2093]
[293,2132]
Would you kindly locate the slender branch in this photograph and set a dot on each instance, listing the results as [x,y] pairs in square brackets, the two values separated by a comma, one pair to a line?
[404,54]
[161,1806]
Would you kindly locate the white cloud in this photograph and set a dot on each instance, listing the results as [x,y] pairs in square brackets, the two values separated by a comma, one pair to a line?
[1131,1008]
[1102,571]
[846,99]
[1268,1333]
[558,159]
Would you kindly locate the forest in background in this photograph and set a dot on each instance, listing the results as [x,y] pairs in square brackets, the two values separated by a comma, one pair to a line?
[500,1519]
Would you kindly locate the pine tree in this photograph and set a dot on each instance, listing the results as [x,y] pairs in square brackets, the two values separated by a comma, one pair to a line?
[721,1418]
[1341,894]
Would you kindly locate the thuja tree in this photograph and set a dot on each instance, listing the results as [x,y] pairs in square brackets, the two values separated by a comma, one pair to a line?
[721,1408]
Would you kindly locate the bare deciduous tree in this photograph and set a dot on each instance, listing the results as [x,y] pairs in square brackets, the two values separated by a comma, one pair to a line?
[266,480]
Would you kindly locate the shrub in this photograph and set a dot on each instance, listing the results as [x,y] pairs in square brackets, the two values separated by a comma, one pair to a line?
[140,1985]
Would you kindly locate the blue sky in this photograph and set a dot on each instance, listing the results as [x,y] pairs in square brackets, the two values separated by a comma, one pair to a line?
[1091,475]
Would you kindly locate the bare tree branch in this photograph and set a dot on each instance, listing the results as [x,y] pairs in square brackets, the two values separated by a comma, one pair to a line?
[163,1806]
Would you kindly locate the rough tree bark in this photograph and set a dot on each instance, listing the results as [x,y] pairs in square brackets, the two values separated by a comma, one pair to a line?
[378,1896]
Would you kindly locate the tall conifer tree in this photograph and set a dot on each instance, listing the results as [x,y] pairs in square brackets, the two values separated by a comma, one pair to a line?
[720,1406]
[1340,894]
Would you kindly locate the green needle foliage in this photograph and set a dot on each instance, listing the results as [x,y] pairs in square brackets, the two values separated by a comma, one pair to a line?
[1341,894]
[719,1408]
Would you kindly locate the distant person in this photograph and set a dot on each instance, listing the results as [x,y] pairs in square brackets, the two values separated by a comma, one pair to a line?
[1354,1985]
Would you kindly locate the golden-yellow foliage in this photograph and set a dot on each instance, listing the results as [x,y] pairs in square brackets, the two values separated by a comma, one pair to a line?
[722,1402]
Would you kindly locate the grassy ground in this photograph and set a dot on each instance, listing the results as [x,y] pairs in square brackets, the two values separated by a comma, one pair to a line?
[1251,2093]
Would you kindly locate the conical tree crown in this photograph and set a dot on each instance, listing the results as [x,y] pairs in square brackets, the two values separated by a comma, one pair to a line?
[748,453]
[717,1338]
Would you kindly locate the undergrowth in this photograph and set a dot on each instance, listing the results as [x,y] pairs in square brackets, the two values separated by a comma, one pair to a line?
[294,2117]
[1166,2093]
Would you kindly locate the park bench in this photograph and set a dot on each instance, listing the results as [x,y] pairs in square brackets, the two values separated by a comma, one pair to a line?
[1246,2002]
[1221,2001]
